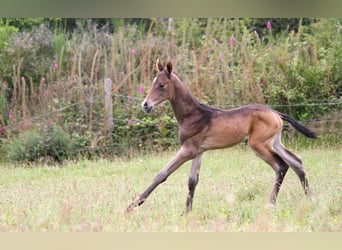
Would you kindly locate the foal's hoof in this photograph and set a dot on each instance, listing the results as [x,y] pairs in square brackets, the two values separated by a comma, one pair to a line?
[130,208]
[134,205]
[185,212]
[269,206]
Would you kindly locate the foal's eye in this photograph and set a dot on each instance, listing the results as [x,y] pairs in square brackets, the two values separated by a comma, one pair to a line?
[161,85]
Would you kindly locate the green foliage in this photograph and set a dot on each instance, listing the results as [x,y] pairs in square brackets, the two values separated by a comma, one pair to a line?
[28,54]
[22,23]
[47,143]
[292,65]
[146,132]
[5,33]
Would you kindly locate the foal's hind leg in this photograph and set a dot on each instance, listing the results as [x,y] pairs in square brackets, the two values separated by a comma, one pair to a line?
[280,167]
[294,161]
[280,170]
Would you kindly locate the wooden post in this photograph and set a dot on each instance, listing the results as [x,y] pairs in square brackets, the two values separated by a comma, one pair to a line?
[108,105]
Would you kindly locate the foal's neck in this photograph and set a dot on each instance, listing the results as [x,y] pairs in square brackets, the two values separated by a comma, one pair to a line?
[183,103]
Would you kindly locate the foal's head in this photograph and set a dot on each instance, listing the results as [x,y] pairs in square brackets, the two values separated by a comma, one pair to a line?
[162,87]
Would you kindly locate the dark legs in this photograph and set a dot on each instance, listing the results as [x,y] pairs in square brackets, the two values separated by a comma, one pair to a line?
[295,163]
[193,180]
[280,158]
[279,166]
[280,169]
[183,155]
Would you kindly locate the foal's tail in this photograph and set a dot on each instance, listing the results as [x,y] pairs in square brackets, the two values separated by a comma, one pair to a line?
[298,126]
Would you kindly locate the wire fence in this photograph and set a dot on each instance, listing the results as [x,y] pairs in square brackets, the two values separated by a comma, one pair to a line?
[140,99]
[145,134]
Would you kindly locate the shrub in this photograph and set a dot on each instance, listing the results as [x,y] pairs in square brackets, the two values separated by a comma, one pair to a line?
[47,143]
[292,65]
[5,34]
[57,143]
[29,53]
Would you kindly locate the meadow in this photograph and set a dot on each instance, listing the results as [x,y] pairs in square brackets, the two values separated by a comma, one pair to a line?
[92,195]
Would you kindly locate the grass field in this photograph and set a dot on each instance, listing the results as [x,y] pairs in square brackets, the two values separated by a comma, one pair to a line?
[231,196]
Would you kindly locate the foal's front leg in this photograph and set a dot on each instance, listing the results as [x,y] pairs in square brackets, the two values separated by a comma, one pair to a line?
[183,155]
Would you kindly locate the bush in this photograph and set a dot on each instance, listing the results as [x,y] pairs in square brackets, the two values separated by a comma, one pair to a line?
[46,144]
[292,65]
[29,53]
[5,34]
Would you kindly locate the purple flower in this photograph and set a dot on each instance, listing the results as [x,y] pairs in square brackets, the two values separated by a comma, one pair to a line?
[133,52]
[215,42]
[23,78]
[1,130]
[232,40]
[142,89]
[268,25]
[43,79]
[55,66]
[11,114]
[130,122]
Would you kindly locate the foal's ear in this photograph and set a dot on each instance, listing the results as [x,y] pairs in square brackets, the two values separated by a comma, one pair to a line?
[169,67]
[159,65]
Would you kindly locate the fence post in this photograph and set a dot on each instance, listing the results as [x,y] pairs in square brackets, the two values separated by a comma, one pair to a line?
[108,105]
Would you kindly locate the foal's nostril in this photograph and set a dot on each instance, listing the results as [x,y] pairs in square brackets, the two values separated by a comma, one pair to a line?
[144,105]
[147,108]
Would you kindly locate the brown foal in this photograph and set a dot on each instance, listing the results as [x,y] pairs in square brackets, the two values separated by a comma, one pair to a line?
[203,128]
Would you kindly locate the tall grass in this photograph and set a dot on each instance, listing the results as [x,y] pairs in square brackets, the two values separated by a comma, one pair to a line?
[57,77]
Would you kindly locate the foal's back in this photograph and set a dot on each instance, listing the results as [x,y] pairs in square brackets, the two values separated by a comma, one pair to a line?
[229,127]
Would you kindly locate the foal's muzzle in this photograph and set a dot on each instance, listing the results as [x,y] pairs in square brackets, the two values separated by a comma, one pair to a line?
[147,108]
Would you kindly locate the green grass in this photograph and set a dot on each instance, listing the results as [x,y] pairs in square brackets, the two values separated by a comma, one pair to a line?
[231,196]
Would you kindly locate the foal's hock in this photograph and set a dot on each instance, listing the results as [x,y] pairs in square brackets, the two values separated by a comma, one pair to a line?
[203,128]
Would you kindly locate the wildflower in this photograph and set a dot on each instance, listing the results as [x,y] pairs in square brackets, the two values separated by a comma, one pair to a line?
[130,122]
[11,114]
[232,40]
[1,130]
[23,78]
[142,89]
[55,66]
[133,52]
[43,79]
[215,42]
[268,25]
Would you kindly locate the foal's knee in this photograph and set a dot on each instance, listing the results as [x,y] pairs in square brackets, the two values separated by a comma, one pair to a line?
[193,180]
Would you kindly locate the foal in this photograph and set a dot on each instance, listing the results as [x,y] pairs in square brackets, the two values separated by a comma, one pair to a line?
[203,128]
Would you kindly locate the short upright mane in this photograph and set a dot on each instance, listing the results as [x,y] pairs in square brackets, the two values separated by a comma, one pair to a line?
[193,97]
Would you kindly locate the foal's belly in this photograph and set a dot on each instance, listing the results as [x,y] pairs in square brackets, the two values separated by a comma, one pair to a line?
[224,136]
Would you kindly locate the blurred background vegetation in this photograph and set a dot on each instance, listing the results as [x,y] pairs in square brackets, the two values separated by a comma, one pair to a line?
[52,73]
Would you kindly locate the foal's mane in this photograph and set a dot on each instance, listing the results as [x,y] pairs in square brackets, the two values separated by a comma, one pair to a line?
[200,105]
